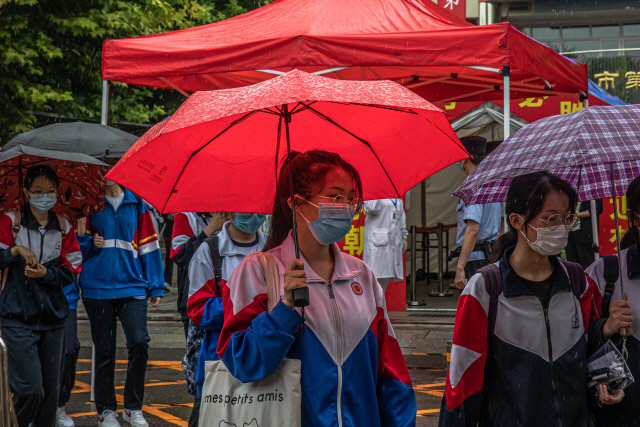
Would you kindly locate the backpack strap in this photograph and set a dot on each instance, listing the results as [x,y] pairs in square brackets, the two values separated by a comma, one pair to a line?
[493,285]
[576,278]
[138,204]
[217,261]
[63,225]
[611,276]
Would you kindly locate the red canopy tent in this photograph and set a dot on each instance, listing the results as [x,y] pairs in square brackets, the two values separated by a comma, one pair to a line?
[414,42]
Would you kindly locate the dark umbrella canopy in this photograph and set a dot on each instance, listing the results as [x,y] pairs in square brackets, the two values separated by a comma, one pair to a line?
[98,141]
[82,183]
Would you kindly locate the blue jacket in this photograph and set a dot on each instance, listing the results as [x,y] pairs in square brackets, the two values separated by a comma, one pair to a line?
[72,293]
[204,305]
[353,371]
[130,263]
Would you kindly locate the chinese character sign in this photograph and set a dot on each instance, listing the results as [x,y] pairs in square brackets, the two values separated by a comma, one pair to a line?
[353,243]
[457,7]
[607,231]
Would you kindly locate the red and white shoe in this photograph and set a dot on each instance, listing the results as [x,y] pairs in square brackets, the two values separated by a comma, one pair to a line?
[108,419]
[135,418]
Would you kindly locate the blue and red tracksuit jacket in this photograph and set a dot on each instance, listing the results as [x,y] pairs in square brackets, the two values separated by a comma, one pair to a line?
[536,374]
[353,372]
[204,304]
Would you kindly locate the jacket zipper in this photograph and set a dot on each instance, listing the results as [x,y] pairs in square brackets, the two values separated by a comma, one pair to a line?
[553,381]
[338,325]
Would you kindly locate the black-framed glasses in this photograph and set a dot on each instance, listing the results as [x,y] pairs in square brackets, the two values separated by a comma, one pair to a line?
[555,221]
[339,202]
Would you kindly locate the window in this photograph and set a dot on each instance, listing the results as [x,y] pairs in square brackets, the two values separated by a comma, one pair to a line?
[631,30]
[605,32]
[575,33]
[632,44]
[578,46]
[610,45]
[546,33]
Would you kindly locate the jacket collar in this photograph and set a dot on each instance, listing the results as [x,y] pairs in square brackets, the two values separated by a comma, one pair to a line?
[227,248]
[344,270]
[513,286]
[129,198]
[29,221]
[633,261]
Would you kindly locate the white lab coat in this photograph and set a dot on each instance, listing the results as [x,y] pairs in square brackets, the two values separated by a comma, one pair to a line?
[384,227]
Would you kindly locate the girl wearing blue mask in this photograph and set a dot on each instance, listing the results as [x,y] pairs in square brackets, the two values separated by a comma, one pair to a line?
[353,372]
[39,255]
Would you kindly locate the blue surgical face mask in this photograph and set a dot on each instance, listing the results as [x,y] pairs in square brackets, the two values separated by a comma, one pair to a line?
[43,202]
[333,224]
[249,222]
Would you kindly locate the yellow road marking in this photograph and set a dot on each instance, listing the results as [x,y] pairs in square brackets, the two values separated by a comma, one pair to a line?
[423,412]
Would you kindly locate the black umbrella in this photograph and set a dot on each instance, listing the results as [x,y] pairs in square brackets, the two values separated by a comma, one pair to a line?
[97,141]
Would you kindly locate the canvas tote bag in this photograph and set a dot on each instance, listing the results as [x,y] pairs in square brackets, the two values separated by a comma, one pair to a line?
[272,401]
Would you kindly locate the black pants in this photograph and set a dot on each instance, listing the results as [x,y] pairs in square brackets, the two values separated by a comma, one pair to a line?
[69,358]
[34,373]
[194,419]
[472,267]
[168,262]
[133,316]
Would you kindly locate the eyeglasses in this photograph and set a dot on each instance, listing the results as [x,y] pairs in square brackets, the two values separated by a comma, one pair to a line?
[339,202]
[52,196]
[555,221]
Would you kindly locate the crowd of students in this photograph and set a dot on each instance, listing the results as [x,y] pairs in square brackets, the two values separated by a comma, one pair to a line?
[520,341]
[113,260]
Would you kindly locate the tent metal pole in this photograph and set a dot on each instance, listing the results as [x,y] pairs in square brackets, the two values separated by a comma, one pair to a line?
[104,118]
[506,77]
[593,207]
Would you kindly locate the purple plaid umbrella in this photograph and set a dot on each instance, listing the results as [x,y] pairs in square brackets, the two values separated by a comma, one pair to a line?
[596,150]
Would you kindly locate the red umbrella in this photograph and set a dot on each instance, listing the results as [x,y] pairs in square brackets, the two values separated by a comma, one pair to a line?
[221,150]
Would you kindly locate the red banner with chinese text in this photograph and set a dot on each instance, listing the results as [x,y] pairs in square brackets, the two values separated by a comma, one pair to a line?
[607,227]
[457,7]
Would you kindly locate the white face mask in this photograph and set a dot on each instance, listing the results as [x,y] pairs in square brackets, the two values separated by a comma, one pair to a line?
[109,182]
[550,242]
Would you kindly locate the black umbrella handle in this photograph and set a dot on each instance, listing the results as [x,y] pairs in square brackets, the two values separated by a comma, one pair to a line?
[300,295]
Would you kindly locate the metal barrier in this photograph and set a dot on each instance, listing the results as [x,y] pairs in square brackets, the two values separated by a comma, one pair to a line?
[7,412]
[442,249]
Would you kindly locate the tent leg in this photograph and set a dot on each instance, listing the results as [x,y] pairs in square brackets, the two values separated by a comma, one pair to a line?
[104,119]
[506,77]
[594,210]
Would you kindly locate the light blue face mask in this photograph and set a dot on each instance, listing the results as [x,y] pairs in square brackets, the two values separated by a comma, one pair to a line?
[43,202]
[333,224]
[249,222]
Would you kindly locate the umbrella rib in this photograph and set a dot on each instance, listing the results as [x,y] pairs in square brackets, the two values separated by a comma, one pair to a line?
[238,121]
[278,144]
[359,139]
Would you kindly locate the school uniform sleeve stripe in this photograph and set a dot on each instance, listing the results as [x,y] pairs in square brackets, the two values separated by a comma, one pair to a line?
[70,254]
[149,253]
[202,285]
[253,342]
[182,232]
[463,391]
[6,232]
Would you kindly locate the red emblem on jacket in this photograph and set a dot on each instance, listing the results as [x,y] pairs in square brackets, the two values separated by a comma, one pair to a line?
[357,289]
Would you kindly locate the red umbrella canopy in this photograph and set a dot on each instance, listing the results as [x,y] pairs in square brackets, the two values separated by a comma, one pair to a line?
[221,150]
[82,184]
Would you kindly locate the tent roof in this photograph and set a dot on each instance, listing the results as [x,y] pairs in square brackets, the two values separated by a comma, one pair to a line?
[413,42]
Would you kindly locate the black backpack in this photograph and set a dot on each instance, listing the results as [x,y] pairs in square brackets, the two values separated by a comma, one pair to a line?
[611,275]
[217,261]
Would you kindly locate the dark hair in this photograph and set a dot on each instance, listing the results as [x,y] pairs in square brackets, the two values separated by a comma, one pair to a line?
[40,170]
[631,236]
[309,171]
[476,159]
[526,197]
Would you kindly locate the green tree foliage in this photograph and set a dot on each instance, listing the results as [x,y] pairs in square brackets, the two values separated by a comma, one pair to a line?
[51,55]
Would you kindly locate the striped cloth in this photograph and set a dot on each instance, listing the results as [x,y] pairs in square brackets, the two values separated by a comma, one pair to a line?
[580,148]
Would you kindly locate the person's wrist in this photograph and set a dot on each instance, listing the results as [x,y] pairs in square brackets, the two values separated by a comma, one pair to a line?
[15,251]
[288,303]
[607,329]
